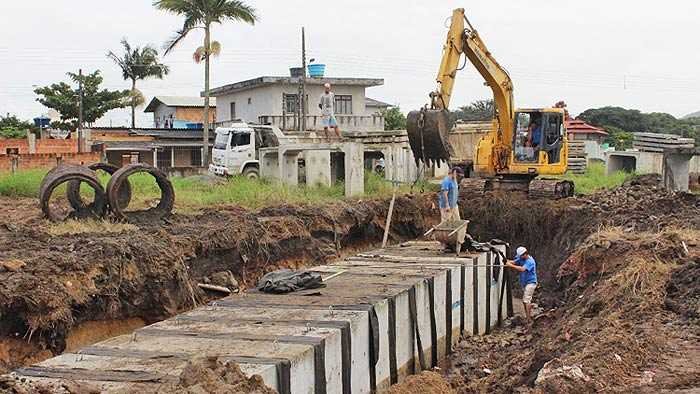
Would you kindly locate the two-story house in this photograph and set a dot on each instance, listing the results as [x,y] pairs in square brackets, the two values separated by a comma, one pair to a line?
[275,100]
[179,112]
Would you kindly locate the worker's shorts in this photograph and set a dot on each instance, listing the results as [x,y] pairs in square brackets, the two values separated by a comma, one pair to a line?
[528,292]
[329,121]
[448,216]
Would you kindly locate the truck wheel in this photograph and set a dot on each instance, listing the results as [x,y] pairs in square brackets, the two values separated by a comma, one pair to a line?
[251,173]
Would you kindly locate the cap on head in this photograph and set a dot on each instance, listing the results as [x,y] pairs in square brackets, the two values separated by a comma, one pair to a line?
[458,170]
[520,251]
[327,85]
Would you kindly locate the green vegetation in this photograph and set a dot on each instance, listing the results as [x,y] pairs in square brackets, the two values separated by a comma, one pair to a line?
[12,127]
[477,110]
[620,122]
[394,119]
[596,179]
[64,98]
[196,192]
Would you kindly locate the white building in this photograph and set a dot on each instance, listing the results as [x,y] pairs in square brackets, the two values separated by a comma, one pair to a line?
[274,100]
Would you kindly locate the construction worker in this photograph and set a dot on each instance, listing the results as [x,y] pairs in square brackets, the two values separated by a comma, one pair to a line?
[527,267]
[447,198]
[326,103]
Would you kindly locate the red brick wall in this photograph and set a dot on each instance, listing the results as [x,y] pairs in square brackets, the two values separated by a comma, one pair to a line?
[48,160]
[42,145]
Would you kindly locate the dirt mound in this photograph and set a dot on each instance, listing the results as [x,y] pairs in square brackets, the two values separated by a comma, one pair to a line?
[619,274]
[209,375]
[611,332]
[427,382]
[151,271]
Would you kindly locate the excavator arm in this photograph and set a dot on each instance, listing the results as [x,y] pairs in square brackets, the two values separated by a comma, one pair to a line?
[428,128]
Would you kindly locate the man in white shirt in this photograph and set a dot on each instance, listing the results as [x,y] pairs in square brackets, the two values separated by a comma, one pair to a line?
[326,105]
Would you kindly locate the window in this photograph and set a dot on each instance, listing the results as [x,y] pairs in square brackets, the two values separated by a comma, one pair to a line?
[343,104]
[196,157]
[291,103]
[250,101]
[240,139]
[233,110]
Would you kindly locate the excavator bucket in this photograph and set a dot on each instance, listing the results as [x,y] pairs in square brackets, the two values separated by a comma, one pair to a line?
[428,134]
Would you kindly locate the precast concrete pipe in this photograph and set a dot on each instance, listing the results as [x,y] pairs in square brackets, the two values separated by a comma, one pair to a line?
[72,173]
[73,190]
[120,177]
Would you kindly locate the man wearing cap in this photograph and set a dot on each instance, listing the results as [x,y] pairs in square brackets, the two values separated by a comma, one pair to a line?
[447,198]
[326,105]
[525,264]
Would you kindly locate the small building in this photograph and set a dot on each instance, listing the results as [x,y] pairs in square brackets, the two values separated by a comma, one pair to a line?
[178,151]
[275,101]
[373,106]
[180,112]
[579,130]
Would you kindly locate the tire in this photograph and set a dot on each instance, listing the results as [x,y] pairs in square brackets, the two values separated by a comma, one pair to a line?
[73,189]
[251,172]
[67,173]
[119,178]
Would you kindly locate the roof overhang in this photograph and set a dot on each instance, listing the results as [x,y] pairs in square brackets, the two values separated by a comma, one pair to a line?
[266,81]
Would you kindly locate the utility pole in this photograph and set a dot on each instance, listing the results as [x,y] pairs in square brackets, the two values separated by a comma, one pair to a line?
[80,110]
[302,98]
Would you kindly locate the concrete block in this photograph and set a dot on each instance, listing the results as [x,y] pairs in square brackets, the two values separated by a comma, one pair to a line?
[676,172]
[269,165]
[354,168]
[289,167]
[318,167]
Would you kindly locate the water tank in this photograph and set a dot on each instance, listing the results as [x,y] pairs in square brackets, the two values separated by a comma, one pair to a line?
[317,70]
[42,122]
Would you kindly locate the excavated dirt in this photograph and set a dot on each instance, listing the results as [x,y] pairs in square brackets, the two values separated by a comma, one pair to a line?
[53,285]
[618,295]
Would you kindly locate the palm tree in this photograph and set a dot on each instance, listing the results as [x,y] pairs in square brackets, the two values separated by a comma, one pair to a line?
[138,64]
[201,14]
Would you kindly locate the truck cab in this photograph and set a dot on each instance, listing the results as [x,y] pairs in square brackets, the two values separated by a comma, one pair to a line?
[236,148]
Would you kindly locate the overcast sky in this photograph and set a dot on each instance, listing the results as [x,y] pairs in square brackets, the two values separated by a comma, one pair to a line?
[632,53]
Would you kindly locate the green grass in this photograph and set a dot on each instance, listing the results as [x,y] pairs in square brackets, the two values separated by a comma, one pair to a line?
[193,193]
[596,179]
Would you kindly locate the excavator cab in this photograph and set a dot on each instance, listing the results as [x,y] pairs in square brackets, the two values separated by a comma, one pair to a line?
[537,131]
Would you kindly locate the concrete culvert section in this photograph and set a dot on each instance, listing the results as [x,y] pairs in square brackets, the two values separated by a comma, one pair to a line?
[55,211]
[73,189]
[115,194]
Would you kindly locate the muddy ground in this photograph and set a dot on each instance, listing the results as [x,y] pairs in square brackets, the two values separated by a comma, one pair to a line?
[59,292]
[619,295]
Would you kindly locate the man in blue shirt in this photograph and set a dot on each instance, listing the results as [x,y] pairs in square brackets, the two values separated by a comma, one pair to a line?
[534,134]
[525,264]
[447,198]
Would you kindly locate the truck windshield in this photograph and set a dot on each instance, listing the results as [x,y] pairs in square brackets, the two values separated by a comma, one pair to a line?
[221,140]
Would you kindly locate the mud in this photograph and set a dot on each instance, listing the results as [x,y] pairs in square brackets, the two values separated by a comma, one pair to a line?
[618,295]
[150,272]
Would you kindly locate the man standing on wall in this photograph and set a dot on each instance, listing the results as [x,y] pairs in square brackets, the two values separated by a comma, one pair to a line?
[326,105]
[447,198]
[526,265]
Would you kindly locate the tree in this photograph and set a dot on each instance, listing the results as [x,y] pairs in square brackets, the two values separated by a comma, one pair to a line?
[618,138]
[138,64]
[201,14]
[394,119]
[65,99]
[477,110]
[12,127]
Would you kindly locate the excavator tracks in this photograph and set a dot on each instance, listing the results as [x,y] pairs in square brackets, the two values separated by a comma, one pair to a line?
[552,189]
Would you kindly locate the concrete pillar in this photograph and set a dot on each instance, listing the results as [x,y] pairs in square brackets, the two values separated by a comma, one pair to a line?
[31,141]
[289,166]
[269,165]
[354,168]
[172,156]
[155,157]
[676,171]
[388,163]
[318,167]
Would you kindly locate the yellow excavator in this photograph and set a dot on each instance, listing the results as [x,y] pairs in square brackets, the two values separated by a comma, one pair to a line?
[522,143]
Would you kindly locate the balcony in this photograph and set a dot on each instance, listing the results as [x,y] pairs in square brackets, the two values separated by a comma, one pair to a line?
[315,122]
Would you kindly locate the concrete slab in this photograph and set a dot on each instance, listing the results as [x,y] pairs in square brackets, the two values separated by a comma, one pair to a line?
[382,316]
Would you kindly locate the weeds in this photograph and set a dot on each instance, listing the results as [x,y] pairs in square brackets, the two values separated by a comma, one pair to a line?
[196,192]
[73,226]
[596,179]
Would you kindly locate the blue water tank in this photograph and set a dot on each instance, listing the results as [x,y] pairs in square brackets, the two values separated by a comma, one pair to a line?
[317,70]
[42,122]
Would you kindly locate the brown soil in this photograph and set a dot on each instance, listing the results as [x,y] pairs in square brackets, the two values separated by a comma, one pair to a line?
[150,272]
[201,375]
[427,382]
[619,285]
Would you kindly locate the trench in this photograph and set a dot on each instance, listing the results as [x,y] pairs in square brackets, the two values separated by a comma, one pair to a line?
[110,285]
